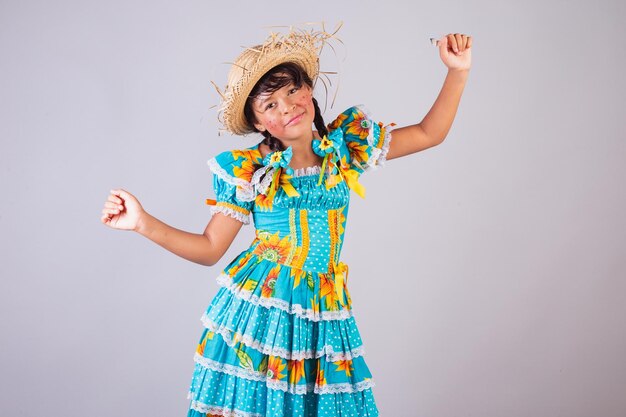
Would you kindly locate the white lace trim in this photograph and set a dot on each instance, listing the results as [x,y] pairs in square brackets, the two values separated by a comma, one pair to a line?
[226,281]
[301,389]
[244,191]
[244,218]
[229,369]
[385,148]
[220,411]
[247,340]
[312,170]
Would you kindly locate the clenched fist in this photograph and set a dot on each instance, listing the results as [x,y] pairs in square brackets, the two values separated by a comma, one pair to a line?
[121,210]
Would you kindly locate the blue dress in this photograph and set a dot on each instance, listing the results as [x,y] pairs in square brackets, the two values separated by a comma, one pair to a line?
[279,336]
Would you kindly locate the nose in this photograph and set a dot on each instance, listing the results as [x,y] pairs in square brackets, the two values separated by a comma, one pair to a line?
[288,105]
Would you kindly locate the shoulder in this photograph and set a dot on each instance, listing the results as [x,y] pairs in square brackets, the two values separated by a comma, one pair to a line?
[352,119]
[365,140]
[236,166]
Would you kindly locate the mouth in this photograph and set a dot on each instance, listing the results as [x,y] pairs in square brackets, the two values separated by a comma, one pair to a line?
[295,119]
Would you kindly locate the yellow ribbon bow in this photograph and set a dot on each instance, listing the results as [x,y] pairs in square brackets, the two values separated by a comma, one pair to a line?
[340,271]
[281,179]
[351,177]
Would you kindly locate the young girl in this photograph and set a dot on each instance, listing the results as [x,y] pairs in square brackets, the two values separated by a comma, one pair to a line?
[280,338]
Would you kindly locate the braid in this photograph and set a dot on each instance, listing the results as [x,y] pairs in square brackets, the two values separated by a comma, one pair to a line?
[273,143]
[319,121]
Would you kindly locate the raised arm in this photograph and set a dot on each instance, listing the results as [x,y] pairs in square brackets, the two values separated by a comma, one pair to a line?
[123,211]
[455,52]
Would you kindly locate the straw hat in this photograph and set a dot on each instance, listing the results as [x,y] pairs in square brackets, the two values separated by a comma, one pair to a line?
[298,46]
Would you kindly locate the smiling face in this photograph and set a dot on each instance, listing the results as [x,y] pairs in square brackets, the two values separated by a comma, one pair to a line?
[281,104]
[286,113]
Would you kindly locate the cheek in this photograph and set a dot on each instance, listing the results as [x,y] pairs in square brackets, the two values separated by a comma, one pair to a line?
[305,99]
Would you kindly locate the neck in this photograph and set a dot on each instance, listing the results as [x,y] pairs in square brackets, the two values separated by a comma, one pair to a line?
[303,155]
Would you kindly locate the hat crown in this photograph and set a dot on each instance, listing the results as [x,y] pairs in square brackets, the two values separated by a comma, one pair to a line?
[298,47]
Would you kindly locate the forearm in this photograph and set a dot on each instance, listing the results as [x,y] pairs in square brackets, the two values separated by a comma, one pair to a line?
[436,124]
[191,246]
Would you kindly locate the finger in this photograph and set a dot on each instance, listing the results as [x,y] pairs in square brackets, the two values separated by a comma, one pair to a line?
[115,199]
[105,219]
[459,41]
[453,43]
[110,211]
[110,204]
[469,42]
[123,194]
[464,47]
[443,43]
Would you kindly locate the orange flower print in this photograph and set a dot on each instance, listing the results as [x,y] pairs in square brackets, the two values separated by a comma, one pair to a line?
[232,271]
[320,380]
[273,248]
[202,346]
[337,122]
[245,171]
[358,151]
[359,126]
[252,155]
[263,202]
[296,371]
[270,282]
[327,292]
[275,366]
[297,274]
[345,365]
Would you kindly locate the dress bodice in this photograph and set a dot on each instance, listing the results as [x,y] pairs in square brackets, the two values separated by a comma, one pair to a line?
[308,230]
[300,215]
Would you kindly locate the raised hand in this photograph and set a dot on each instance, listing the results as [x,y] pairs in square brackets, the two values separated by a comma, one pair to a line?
[455,51]
[121,210]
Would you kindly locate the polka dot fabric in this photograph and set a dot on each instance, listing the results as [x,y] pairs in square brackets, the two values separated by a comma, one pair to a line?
[279,337]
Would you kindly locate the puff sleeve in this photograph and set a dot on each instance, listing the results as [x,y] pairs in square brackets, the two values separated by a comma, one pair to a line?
[365,141]
[234,195]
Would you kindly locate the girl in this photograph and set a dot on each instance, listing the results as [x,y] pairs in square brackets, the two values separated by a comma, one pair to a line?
[280,338]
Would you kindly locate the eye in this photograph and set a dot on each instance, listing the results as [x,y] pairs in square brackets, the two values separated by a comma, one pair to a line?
[270,106]
[294,90]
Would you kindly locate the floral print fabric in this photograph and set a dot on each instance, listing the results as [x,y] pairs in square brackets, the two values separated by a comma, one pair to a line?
[280,338]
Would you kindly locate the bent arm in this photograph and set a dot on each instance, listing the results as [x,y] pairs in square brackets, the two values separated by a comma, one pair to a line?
[433,129]
[204,249]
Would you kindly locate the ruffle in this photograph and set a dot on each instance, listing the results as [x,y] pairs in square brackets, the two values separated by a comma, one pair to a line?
[226,281]
[319,375]
[275,332]
[244,191]
[284,386]
[233,395]
[244,218]
[304,171]
[378,155]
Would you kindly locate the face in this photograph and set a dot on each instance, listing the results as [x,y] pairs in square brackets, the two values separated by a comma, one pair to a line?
[286,113]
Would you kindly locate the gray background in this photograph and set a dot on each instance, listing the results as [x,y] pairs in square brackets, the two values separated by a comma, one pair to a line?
[487,274]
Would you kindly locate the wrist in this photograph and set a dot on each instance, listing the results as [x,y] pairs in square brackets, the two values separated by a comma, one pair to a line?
[463,72]
[143,223]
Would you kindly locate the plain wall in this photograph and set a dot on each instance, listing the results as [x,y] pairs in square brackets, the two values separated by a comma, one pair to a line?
[487,273]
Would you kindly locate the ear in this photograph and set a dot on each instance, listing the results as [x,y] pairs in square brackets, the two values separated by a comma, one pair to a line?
[259,127]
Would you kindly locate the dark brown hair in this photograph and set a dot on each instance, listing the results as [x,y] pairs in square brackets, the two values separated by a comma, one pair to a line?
[273,80]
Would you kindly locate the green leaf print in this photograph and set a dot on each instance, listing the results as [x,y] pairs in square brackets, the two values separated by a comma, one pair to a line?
[309,280]
[263,365]
[245,361]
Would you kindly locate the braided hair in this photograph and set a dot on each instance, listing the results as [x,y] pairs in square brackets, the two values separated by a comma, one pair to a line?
[273,80]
